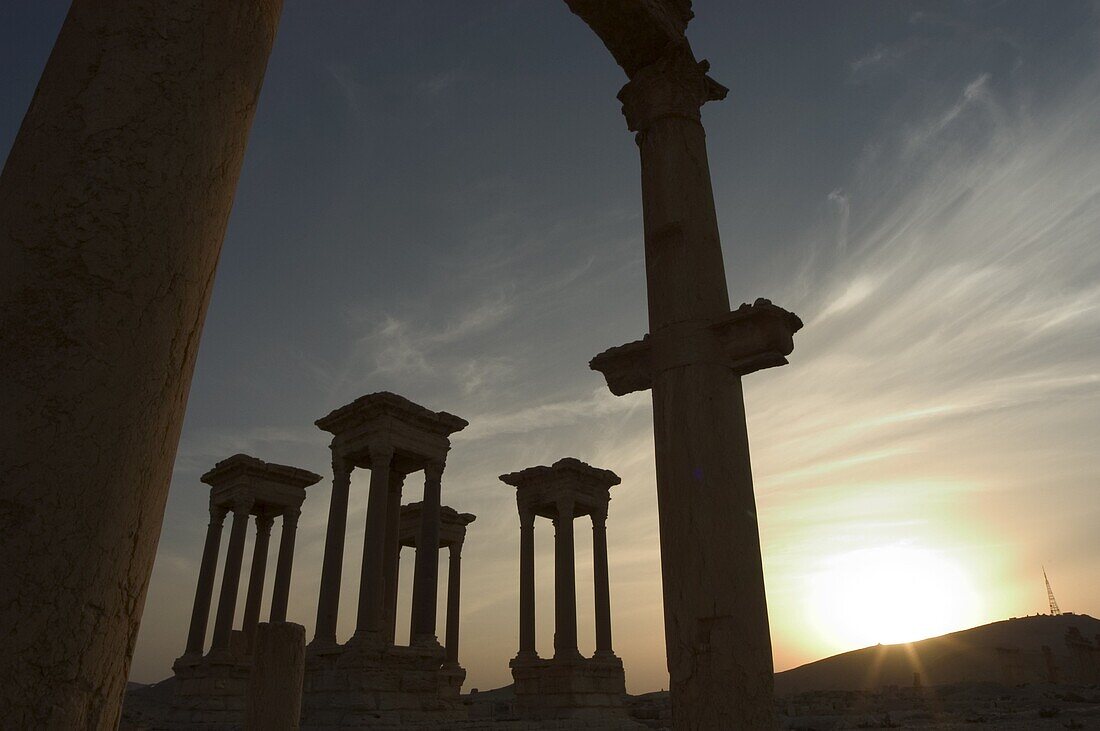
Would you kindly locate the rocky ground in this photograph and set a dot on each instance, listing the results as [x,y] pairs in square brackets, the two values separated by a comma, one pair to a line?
[956,706]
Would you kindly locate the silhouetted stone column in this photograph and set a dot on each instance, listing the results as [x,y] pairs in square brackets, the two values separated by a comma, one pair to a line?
[565,584]
[256,578]
[200,613]
[602,588]
[231,579]
[716,615]
[328,603]
[527,584]
[454,582]
[393,555]
[426,571]
[280,594]
[371,586]
[113,203]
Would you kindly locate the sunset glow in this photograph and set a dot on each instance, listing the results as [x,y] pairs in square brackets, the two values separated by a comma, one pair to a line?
[891,594]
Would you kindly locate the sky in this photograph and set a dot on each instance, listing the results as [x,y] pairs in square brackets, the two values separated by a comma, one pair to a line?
[441,199]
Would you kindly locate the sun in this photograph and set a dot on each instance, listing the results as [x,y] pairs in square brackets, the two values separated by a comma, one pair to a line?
[890,594]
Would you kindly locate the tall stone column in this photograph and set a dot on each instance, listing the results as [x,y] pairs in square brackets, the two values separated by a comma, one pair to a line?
[393,555]
[280,594]
[231,579]
[113,205]
[200,613]
[371,583]
[256,578]
[426,571]
[454,590]
[328,603]
[602,588]
[527,584]
[716,617]
[565,585]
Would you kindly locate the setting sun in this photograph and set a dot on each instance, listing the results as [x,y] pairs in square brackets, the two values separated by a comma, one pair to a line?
[890,594]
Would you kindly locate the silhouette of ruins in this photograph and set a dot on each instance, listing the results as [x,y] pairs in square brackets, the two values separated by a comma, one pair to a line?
[99,366]
[566,685]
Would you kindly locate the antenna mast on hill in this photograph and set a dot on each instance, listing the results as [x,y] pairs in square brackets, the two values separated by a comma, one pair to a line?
[1054,610]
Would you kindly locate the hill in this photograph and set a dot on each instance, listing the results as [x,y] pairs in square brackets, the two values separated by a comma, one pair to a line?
[1008,652]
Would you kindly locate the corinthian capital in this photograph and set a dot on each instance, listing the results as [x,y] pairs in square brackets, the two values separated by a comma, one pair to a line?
[675,85]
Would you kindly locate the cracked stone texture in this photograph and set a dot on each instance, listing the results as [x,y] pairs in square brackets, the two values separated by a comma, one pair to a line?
[113,207]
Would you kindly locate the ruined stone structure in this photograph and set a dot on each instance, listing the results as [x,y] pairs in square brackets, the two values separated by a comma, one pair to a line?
[369,680]
[210,689]
[452,536]
[692,360]
[566,685]
[113,204]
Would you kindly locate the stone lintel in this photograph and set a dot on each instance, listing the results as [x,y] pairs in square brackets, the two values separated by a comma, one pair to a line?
[270,487]
[748,339]
[452,525]
[637,32]
[418,436]
[539,489]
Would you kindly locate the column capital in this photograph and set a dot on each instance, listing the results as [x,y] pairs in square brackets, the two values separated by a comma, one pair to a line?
[264,523]
[565,508]
[455,550]
[341,465]
[599,519]
[242,506]
[526,517]
[290,516]
[381,453]
[676,85]
[217,515]
[433,471]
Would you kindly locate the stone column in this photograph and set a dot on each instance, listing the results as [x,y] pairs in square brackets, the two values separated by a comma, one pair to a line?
[280,594]
[256,578]
[426,571]
[527,584]
[716,616]
[371,583]
[454,583]
[328,603]
[273,701]
[602,588]
[565,585]
[200,613]
[393,555]
[113,204]
[231,578]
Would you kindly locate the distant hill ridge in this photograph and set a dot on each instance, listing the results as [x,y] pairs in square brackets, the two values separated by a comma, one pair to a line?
[1010,652]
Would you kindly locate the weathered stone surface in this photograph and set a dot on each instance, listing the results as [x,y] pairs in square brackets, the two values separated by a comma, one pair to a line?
[716,622]
[274,701]
[113,206]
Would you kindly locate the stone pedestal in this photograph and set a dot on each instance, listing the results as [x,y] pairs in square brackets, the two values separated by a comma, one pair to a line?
[578,688]
[209,693]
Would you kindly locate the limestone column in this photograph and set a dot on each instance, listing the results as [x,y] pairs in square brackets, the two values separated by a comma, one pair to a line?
[328,603]
[565,584]
[454,582]
[602,589]
[231,578]
[200,613]
[527,584]
[371,579]
[716,616]
[393,555]
[280,594]
[256,578]
[113,204]
[426,571]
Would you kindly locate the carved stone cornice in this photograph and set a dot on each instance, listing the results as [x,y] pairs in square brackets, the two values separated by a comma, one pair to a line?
[748,339]
[676,85]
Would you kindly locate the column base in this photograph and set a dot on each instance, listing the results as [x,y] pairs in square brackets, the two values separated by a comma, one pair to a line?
[575,688]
